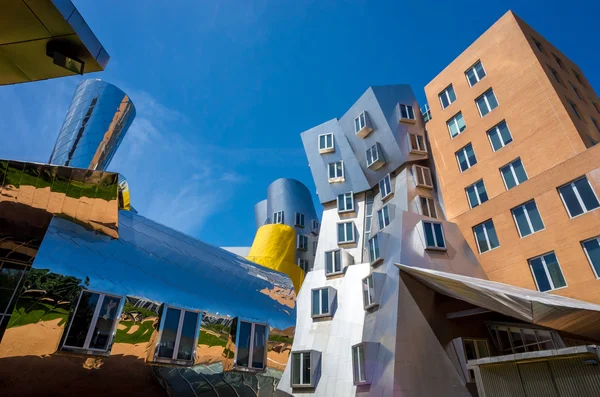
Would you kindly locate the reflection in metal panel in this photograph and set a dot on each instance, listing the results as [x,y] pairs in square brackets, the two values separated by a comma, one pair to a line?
[94,126]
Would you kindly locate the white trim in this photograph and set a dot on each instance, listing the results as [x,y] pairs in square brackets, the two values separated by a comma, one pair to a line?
[588,255]
[547,272]
[477,193]
[296,223]
[496,129]
[389,178]
[345,210]
[278,217]
[336,178]
[513,173]
[371,297]
[445,92]
[527,218]
[436,245]
[381,217]
[421,146]
[345,233]
[463,150]
[487,237]
[472,69]
[422,169]
[320,294]
[577,196]
[333,262]
[454,120]
[326,149]
[430,206]
[487,102]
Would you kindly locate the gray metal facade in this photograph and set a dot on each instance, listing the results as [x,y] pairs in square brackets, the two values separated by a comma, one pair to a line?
[96,122]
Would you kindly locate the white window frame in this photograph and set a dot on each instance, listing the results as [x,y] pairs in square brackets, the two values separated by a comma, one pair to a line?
[371,293]
[464,152]
[436,246]
[477,193]
[454,120]
[315,226]
[381,217]
[326,149]
[474,341]
[487,237]
[345,210]
[358,376]
[423,170]
[362,121]
[383,192]
[346,241]
[420,143]
[496,129]
[93,322]
[251,347]
[374,154]
[447,95]
[474,70]
[374,243]
[298,219]
[408,110]
[304,265]
[334,262]
[182,312]
[527,218]
[514,174]
[369,203]
[329,299]
[302,242]
[550,281]
[336,178]
[278,217]
[578,196]
[587,255]
[487,102]
[429,210]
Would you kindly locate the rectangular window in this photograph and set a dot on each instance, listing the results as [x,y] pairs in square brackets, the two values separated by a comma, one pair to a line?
[427,207]
[406,112]
[384,217]
[368,216]
[499,136]
[299,219]
[555,75]
[93,323]
[578,197]
[575,109]
[538,45]
[596,106]
[578,77]
[476,349]
[304,265]
[475,73]
[527,218]
[278,217]
[301,369]
[374,156]
[513,174]
[595,122]
[369,292]
[417,143]
[345,202]
[486,102]
[434,235]
[385,186]
[485,236]
[336,171]
[11,277]
[251,345]
[423,176]
[546,272]
[559,62]
[447,97]
[326,143]
[374,249]
[512,340]
[315,226]
[314,248]
[456,125]
[362,125]
[577,92]
[320,302]
[476,194]
[302,242]
[592,251]
[358,364]
[426,113]
[333,262]
[178,334]
[345,232]
[466,158]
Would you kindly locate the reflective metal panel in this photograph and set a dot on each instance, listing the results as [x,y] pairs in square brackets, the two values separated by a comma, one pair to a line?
[94,127]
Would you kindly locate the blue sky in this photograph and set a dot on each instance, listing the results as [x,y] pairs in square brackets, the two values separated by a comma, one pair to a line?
[223,89]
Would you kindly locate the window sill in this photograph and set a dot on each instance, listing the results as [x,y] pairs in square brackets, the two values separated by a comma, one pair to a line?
[247,370]
[439,249]
[346,242]
[376,165]
[73,351]
[346,211]
[372,306]
[327,316]
[326,150]
[377,262]
[337,180]
[387,197]
[406,120]
[302,226]
[303,386]
[424,186]
[181,363]
[362,383]
[485,252]
[364,132]
[302,249]
[334,275]
[420,152]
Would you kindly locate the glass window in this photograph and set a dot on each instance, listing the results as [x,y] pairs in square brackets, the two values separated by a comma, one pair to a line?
[315,226]
[326,141]
[527,218]
[596,106]
[577,92]
[555,75]
[345,232]
[336,170]
[538,45]
[434,235]
[499,136]
[426,112]
[475,73]
[595,122]
[358,364]
[384,217]
[476,349]
[299,219]
[578,197]
[456,125]
[278,217]
[304,264]
[417,143]
[345,202]
[485,236]
[301,369]
[423,176]
[302,242]
[476,194]
[374,154]
[368,216]
[178,334]
[486,102]
[513,174]
[93,322]
[406,112]
[578,77]
[361,122]
[385,186]
[251,345]
[368,292]
[466,158]
[320,302]
[447,96]
[314,248]
[427,207]
[546,272]
[575,109]
[11,276]
[513,340]
[592,251]
[559,62]
[374,249]
[333,262]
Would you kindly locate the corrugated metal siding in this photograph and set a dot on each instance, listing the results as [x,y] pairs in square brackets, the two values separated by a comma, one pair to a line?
[502,381]
[537,379]
[574,378]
